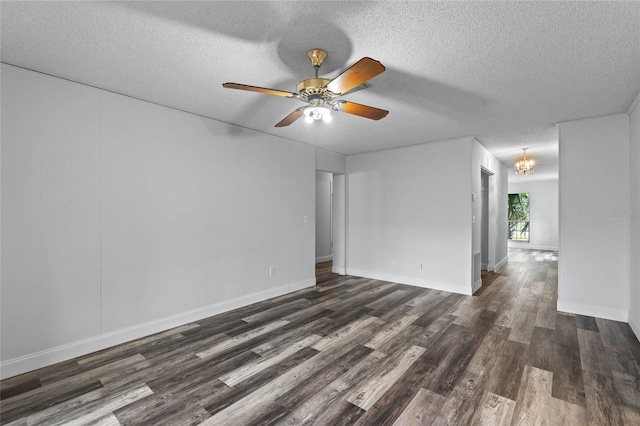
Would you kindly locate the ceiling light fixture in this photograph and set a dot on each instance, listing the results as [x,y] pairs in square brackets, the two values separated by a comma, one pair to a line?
[320,93]
[315,113]
[525,166]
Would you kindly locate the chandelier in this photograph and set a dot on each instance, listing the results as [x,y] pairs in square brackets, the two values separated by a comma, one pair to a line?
[525,165]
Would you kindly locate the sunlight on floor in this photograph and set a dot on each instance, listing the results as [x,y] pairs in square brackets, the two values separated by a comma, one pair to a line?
[541,256]
[525,255]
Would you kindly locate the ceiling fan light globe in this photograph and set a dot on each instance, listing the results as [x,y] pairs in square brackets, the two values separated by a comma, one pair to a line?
[308,118]
[326,118]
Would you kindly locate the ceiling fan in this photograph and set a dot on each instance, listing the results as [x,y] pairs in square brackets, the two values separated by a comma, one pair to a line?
[321,93]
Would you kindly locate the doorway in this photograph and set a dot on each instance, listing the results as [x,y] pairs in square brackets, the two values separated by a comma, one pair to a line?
[330,254]
[484,221]
[324,217]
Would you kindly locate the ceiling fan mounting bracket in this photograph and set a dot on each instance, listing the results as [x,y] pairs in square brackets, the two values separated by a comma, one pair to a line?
[317,57]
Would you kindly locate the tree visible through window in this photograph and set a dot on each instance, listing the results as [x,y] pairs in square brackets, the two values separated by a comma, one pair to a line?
[519,217]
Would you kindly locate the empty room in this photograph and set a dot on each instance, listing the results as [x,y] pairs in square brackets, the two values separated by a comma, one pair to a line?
[319,213]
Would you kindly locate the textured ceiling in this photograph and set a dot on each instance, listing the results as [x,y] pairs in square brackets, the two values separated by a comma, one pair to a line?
[502,72]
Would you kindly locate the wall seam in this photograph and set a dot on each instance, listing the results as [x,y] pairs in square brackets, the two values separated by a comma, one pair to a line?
[100,209]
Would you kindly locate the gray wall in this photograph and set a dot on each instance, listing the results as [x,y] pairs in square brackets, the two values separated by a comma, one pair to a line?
[121,218]
[543,231]
[593,270]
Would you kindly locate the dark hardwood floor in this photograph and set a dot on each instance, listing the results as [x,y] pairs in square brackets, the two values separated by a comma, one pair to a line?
[358,351]
[324,272]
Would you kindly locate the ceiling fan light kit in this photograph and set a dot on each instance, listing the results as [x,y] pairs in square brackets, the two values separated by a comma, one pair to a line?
[320,93]
[315,113]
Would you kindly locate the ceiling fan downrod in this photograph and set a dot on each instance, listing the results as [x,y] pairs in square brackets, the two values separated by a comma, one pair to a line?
[317,57]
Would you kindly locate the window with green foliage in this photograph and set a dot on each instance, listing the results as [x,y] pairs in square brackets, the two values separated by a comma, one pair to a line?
[519,217]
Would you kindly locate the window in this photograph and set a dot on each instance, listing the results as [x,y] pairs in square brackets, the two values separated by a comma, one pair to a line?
[519,217]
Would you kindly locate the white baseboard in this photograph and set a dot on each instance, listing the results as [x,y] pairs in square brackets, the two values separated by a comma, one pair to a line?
[323,259]
[501,264]
[634,323]
[476,286]
[339,270]
[30,362]
[593,311]
[417,282]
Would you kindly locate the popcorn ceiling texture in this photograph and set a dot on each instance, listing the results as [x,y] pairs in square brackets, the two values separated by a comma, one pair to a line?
[503,72]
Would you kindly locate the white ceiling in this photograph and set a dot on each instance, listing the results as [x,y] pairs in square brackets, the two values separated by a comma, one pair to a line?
[503,72]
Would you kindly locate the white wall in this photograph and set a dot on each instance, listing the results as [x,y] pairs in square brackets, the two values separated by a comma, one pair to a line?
[121,218]
[500,187]
[593,270]
[543,205]
[328,161]
[412,206]
[634,162]
[323,216]
[50,214]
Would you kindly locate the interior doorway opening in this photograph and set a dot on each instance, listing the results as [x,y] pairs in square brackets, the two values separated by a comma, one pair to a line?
[324,217]
[330,253]
[484,258]
[484,221]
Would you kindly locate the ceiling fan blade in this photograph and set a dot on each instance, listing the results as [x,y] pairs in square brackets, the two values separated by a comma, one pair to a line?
[264,90]
[358,88]
[363,110]
[363,70]
[291,117]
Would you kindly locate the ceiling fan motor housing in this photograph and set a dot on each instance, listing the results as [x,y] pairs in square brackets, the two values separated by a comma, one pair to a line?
[314,88]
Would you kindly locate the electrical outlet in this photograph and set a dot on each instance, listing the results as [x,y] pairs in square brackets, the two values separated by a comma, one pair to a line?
[393,265]
[272,271]
[420,267]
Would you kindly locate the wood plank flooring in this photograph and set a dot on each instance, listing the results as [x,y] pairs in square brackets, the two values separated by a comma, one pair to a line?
[324,272]
[360,352]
